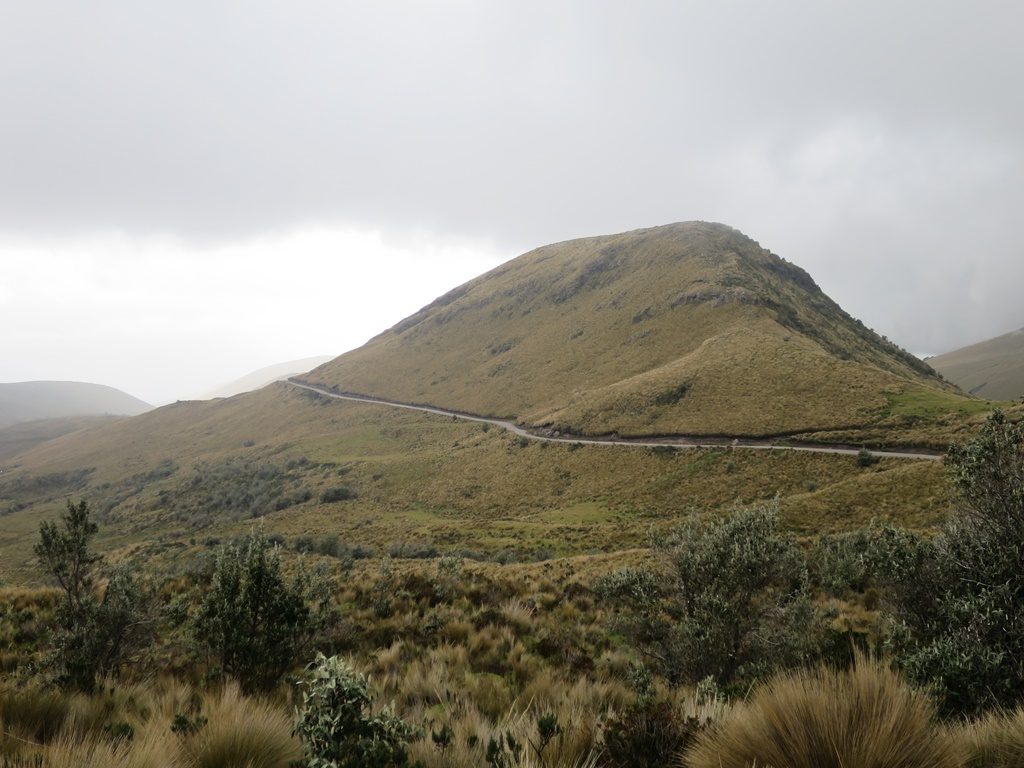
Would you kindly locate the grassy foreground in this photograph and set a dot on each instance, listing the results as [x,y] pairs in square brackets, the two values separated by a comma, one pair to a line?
[480,656]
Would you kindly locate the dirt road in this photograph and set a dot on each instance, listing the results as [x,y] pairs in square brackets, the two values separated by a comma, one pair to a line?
[676,441]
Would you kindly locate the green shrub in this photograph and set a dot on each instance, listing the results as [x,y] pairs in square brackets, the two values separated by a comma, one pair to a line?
[337,493]
[843,562]
[338,726]
[95,631]
[253,621]
[735,606]
[236,488]
[958,599]
[866,458]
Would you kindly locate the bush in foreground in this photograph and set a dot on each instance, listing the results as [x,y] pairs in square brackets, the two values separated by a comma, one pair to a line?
[959,598]
[338,726]
[96,630]
[863,717]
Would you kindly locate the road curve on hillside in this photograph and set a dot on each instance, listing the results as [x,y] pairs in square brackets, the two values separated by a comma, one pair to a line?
[638,442]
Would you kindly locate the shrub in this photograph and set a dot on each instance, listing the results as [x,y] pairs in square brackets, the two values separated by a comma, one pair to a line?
[650,734]
[236,488]
[92,635]
[860,718]
[843,562]
[337,493]
[252,620]
[735,607]
[959,599]
[866,458]
[337,724]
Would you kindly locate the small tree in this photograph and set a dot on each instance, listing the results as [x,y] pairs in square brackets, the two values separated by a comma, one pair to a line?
[95,630]
[337,724]
[254,621]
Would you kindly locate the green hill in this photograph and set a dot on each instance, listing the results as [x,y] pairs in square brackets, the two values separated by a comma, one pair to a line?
[689,328]
[992,369]
[31,400]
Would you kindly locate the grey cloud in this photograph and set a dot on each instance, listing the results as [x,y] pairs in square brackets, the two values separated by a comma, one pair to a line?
[877,144]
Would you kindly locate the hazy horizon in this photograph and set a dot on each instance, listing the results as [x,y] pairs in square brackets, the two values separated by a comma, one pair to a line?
[190,193]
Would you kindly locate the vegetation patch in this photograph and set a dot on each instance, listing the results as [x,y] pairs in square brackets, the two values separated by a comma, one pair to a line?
[234,489]
[672,396]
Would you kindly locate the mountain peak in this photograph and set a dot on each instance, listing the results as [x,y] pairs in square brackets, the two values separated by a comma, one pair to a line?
[590,334]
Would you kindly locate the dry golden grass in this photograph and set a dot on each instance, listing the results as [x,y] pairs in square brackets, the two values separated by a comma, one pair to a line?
[488,654]
[242,733]
[993,741]
[862,718]
[76,730]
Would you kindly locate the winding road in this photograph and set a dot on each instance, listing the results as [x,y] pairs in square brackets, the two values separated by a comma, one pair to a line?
[639,442]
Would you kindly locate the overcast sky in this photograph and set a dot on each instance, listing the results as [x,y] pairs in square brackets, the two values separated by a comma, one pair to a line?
[192,190]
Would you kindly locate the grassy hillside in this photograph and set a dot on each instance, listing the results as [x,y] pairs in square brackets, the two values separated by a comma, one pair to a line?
[687,328]
[31,400]
[19,438]
[993,369]
[170,483]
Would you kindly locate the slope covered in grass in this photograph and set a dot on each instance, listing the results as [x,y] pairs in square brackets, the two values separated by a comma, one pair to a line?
[687,328]
[171,482]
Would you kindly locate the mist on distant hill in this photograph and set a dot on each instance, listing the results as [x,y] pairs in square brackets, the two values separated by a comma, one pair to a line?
[30,400]
[260,378]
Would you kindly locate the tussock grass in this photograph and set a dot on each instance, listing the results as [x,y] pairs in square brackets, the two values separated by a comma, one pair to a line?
[994,741]
[862,718]
[32,714]
[150,750]
[74,731]
[242,733]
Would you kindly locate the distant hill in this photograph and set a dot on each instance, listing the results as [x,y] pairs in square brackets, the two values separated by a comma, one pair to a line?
[992,369]
[21,437]
[30,400]
[262,377]
[687,328]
